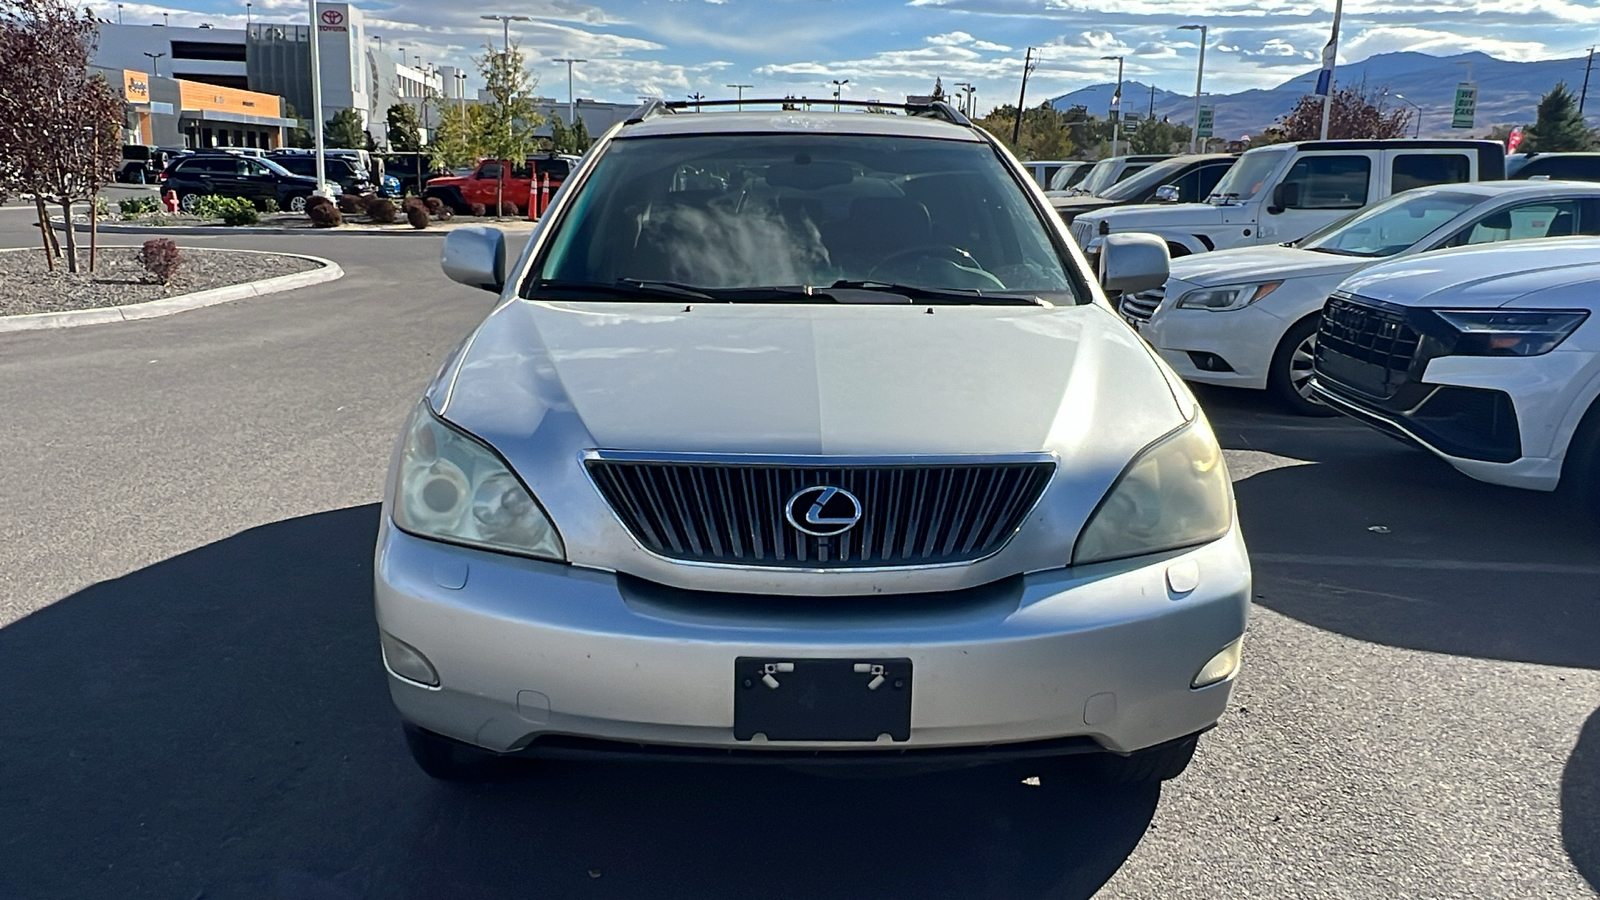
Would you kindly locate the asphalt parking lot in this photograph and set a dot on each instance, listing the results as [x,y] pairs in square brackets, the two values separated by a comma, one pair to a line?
[194,707]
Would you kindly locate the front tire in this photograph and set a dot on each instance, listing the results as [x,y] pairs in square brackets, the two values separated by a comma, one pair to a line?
[449,760]
[1163,762]
[1289,378]
[1580,473]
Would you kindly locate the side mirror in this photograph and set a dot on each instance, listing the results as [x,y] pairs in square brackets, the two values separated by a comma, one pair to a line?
[1285,196]
[1131,263]
[1167,193]
[476,257]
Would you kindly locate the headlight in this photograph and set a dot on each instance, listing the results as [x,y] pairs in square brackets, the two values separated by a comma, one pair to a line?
[453,488]
[1175,494]
[1500,332]
[1227,297]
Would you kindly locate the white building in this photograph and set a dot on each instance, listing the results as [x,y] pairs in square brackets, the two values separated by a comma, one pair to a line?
[208,55]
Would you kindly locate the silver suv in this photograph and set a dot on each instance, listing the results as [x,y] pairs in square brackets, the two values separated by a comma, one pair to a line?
[807,436]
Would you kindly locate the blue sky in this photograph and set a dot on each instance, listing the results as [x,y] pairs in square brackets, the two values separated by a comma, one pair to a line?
[887,48]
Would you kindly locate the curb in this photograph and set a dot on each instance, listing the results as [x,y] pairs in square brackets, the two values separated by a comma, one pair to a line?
[223,230]
[166,306]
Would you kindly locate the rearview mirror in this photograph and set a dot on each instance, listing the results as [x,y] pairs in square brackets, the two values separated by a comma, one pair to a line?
[476,257]
[1167,193]
[1131,263]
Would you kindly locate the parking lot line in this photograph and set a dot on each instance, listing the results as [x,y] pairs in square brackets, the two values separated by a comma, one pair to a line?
[1375,562]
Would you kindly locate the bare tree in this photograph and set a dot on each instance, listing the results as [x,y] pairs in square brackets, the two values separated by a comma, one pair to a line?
[1357,114]
[60,125]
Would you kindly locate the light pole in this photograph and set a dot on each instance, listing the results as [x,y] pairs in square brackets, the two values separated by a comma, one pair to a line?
[1330,62]
[119,13]
[155,63]
[1199,83]
[247,19]
[697,97]
[316,103]
[166,19]
[572,109]
[505,28]
[1116,107]
[1583,95]
[1402,98]
[961,89]
[838,87]
[740,88]
[461,97]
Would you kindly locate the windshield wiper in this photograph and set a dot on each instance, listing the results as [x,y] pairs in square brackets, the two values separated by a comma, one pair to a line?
[1228,199]
[944,295]
[655,291]
[1337,251]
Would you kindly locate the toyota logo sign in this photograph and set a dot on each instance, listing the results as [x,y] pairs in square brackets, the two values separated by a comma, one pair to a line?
[332,17]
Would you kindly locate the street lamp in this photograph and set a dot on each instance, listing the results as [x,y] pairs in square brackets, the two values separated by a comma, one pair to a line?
[697,97]
[572,109]
[961,88]
[247,19]
[1116,107]
[316,104]
[505,27]
[155,64]
[1402,98]
[740,88]
[838,86]
[165,19]
[1199,83]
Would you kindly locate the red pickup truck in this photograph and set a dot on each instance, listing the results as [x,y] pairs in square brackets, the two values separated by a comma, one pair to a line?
[460,192]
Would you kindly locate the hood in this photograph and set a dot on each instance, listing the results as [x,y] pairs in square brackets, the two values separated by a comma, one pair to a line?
[1525,272]
[1159,215]
[544,382]
[1261,264]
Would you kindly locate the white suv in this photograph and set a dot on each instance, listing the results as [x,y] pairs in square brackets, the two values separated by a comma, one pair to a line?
[1489,357]
[807,436]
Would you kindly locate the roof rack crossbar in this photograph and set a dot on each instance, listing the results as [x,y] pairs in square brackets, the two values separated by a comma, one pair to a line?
[937,109]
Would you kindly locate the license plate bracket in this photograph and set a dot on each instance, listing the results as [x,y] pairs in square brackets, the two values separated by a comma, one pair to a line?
[821,699]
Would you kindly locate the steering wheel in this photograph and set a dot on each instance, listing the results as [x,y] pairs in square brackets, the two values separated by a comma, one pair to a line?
[947,252]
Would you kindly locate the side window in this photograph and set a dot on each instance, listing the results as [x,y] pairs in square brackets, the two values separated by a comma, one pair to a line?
[1188,186]
[521,169]
[1579,168]
[555,168]
[1331,182]
[1207,179]
[489,170]
[1413,170]
[1531,220]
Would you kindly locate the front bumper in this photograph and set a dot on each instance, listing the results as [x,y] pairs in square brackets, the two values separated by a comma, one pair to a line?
[1245,339]
[527,650]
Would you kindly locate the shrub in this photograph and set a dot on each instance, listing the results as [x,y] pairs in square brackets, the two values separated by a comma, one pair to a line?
[436,207]
[324,214]
[137,206]
[479,210]
[102,207]
[382,211]
[159,256]
[269,205]
[417,216]
[232,211]
[314,202]
[445,214]
[351,204]
[413,202]
[507,208]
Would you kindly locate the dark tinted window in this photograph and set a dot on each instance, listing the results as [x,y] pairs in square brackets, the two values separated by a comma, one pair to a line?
[299,165]
[489,170]
[1331,182]
[208,50]
[1414,170]
[1210,174]
[1577,168]
[208,165]
[555,168]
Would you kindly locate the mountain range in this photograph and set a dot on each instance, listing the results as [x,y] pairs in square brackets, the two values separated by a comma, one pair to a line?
[1508,92]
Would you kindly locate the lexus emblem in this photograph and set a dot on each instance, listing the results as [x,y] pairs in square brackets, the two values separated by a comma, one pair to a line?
[823,511]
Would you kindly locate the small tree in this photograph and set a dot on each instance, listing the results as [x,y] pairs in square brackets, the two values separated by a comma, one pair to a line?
[1558,126]
[1159,136]
[510,117]
[1356,115]
[344,131]
[457,141]
[296,136]
[1046,131]
[405,132]
[580,137]
[560,137]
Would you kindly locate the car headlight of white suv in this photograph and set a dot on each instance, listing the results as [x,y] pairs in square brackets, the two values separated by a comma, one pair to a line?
[450,487]
[1228,296]
[1511,332]
[1175,494]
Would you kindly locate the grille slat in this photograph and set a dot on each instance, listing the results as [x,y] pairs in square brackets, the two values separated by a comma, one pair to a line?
[1366,348]
[1141,306]
[734,513]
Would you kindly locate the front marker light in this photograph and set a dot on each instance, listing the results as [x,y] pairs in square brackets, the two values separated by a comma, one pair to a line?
[453,488]
[1220,667]
[1511,332]
[1227,297]
[1175,494]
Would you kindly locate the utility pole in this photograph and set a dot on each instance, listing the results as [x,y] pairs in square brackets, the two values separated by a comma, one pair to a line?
[1152,115]
[316,103]
[838,88]
[1584,94]
[572,109]
[1199,84]
[1330,62]
[740,88]
[1116,107]
[1022,99]
[247,18]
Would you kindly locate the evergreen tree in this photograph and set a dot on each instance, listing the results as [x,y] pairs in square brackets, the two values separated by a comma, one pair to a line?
[405,132]
[560,137]
[1558,127]
[580,137]
[344,131]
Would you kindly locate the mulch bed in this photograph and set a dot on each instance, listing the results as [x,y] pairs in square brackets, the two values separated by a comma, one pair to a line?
[27,285]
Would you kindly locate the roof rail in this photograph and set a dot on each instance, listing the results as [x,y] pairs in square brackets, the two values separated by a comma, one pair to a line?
[936,109]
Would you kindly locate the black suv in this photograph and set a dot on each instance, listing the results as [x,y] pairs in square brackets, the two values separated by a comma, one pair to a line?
[1555,166]
[346,173]
[228,175]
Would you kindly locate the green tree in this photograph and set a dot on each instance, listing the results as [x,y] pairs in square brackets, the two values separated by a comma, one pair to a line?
[405,132]
[560,136]
[1159,136]
[456,140]
[296,136]
[580,137]
[1046,131]
[506,129]
[1558,126]
[344,131]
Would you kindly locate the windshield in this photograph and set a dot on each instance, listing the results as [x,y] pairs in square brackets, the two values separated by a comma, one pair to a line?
[1146,181]
[1100,177]
[741,212]
[274,167]
[1249,176]
[1068,175]
[1389,227]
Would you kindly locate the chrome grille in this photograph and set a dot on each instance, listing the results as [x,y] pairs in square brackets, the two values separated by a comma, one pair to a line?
[1082,232]
[731,512]
[1138,308]
[1366,348]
